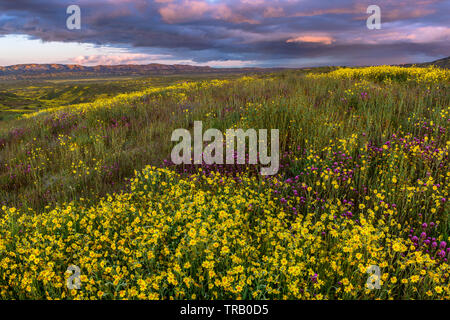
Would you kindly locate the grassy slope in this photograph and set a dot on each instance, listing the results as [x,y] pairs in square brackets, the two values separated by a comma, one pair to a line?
[27,96]
[110,143]
[383,136]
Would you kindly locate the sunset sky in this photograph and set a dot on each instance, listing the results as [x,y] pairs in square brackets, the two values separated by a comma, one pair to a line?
[231,33]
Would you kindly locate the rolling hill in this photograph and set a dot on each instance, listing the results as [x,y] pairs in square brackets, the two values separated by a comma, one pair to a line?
[441,63]
[27,71]
[63,71]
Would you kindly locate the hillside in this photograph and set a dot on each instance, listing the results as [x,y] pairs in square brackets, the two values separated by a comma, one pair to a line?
[441,63]
[361,186]
[73,71]
[33,71]
[19,97]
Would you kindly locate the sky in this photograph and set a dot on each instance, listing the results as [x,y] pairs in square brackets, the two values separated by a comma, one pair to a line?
[228,33]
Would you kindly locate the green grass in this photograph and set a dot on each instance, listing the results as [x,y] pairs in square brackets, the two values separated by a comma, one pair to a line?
[110,143]
[27,96]
[364,162]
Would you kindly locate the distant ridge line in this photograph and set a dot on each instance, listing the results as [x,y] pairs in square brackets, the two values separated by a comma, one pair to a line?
[24,70]
[34,70]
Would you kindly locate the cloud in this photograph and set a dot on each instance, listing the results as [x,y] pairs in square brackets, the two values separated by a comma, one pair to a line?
[194,10]
[137,58]
[417,35]
[323,39]
[257,32]
[429,34]
[272,12]
[229,63]
[114,59]
[186,11]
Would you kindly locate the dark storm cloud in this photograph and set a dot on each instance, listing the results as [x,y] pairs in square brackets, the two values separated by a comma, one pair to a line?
[269,32]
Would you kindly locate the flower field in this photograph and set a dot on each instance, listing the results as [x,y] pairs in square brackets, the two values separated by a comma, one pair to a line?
[363,181]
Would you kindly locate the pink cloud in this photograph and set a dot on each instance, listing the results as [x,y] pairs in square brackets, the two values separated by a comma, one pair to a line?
[353,10]
[414,35]
[406,13]
[272,12]
[223,12]
[141,58]
[191,10]
[186,11]
[428,34]
[115,59]
[323,39]
[229,63]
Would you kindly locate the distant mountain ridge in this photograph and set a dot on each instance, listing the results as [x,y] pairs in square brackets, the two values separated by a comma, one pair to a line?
[30,71]
[49,68]
[58,70]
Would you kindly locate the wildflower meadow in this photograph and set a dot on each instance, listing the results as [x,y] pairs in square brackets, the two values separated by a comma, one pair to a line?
[357,210]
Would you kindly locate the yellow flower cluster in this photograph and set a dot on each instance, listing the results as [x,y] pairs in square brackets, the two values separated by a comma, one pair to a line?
[209,237]
[429,75]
